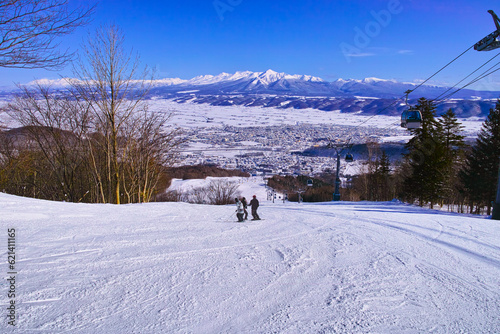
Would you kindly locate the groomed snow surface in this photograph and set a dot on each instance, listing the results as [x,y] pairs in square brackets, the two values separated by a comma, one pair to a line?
[306,268]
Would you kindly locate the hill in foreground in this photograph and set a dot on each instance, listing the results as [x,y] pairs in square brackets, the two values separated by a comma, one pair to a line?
[309,268]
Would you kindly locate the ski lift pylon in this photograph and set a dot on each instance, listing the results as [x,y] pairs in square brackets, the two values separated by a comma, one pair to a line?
[490,42]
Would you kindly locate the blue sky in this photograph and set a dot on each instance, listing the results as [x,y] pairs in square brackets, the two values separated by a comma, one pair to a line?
[404,40]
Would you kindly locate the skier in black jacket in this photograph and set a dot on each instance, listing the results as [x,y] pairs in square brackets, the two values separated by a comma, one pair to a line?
[254,203]
[245,205]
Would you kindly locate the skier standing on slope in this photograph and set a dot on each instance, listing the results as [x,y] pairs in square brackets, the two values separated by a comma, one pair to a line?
[239,210]
[245,205]
[254,203]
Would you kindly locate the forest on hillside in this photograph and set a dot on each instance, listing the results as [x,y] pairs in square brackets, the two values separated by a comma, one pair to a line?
[437,168]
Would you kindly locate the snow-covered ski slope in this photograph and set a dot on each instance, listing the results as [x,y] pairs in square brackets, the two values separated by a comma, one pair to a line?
[309,268]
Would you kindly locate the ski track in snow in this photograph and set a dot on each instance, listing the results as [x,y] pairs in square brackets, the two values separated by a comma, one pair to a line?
[307,268]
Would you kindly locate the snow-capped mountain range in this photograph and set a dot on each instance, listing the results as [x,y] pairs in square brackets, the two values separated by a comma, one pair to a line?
[271,82]
[282,90]
[274,83]
[265,78]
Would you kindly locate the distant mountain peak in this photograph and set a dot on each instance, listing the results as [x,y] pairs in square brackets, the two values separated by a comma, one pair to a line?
[270,76]
[264,78]
[271,72]
[375,80]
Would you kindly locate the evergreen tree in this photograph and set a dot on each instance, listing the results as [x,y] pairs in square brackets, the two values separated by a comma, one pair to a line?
[425,159]
[383,178]
[480,172]
[449,130]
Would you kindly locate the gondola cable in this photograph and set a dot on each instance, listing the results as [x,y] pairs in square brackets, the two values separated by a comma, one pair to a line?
[478,78]
[481,76]
[487,74]
[418,86]
[442,68]
[349,156]
[488,43]
[449,89]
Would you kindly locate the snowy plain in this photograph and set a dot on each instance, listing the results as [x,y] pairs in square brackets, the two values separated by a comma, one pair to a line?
[191,115]
[199,116]
[306,268]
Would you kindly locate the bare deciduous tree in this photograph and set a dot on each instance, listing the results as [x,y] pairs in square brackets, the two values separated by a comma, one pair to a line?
[55,129]
[29,28]
[149,147]
[96,141]
[222,192]
[109,79]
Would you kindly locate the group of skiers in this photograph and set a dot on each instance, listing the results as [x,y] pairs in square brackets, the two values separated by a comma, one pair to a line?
[241,208]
